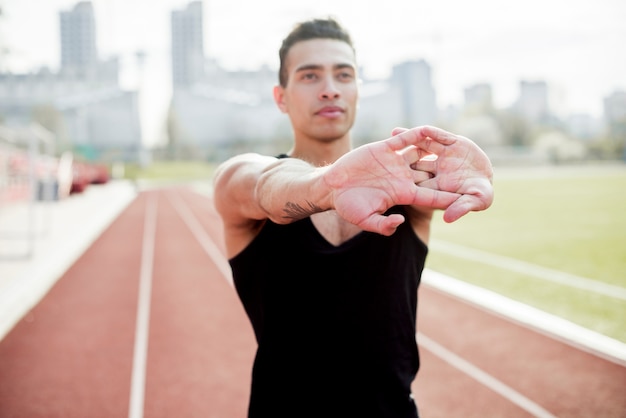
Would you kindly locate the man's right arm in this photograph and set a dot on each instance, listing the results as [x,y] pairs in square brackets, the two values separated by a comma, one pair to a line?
[361,186]
[252,187]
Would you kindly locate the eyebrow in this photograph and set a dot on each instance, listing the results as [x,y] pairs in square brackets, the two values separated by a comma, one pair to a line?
[307,67]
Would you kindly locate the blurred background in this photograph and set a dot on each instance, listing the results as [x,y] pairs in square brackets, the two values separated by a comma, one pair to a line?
[126,82]
[163,90]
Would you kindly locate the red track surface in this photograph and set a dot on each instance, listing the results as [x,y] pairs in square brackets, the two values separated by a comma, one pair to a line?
[72,355]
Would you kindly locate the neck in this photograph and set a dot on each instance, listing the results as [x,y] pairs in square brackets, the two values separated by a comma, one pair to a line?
[321,153]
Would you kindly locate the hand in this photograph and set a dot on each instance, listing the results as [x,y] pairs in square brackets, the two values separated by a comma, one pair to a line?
[369,180]
[460,167]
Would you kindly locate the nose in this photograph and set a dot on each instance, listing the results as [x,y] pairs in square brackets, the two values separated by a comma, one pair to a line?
[329,89]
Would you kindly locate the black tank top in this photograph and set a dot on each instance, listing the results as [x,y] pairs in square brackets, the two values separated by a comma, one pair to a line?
[335,325]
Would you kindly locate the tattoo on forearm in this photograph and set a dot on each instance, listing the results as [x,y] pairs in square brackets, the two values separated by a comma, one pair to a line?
[295,211]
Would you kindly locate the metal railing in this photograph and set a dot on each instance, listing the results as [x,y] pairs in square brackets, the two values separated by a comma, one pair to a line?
[28,185]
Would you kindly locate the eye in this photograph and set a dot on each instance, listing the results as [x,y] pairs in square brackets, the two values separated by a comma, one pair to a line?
[345,76]
[309,76]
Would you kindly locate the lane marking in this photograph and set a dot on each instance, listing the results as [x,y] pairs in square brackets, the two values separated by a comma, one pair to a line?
[537,320]
[28,282]
[483,377]
[529,269]
[140,355]
[438,350]
[423,341]
[203,238]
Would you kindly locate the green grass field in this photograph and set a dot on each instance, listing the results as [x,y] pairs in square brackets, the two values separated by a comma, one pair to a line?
[570,219]
[567,219]
[170,171]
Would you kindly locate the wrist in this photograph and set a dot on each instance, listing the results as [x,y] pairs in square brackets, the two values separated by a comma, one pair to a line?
[292,189]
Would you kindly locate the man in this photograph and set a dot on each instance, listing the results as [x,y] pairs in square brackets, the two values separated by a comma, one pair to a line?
[327,243]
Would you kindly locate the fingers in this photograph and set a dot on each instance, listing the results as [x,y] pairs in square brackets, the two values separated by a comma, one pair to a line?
[465,204]
[419,137]
[431,198]
[431,183]
[462,206]
[385,225]
[403,138]
[425,165]
[398,131]
[410,154]
[438,134]
[413,155]
[420,177]
[420,171]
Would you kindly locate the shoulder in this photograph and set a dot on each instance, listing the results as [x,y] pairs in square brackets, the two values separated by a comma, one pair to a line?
[235,179]
[238,166]
[234,198]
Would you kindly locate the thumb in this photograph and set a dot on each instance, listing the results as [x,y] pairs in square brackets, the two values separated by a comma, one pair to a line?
[384,225]
[461,207]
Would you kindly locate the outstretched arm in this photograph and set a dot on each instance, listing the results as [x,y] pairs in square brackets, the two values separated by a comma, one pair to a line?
[460,166]
[252,187]
[360,186]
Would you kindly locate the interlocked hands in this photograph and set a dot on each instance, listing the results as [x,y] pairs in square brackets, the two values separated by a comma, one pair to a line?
[423,166]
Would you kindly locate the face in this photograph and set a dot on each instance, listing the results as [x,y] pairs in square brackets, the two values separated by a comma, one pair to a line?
[321,92]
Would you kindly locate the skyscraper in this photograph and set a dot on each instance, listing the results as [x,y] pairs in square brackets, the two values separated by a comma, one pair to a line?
[79,53]
[615,107]
[479,97]
[533,100]
[187,45]
[413,79]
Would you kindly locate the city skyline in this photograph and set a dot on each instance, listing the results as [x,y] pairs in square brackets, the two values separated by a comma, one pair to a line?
[574,47]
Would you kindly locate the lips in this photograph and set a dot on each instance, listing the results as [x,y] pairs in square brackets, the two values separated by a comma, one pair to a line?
[330,111]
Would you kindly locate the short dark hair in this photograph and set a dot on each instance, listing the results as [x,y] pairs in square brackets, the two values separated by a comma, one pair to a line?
[312,29]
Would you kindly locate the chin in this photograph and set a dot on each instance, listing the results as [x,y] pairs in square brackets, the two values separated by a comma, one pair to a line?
[333,133]
[328,137]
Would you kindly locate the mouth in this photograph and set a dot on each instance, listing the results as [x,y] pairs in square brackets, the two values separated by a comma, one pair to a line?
[330,112]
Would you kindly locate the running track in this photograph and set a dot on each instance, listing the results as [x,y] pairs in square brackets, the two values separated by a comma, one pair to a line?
[146,323]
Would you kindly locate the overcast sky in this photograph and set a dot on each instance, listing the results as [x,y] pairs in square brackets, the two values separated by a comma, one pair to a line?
[577,46]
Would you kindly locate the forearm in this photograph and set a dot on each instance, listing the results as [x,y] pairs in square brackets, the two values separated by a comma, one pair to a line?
[252,187]
[291,189]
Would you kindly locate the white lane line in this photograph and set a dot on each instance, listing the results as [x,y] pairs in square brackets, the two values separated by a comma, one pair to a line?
[483,377]
[206,242]
[214,252]
[529,269]
[528,316]
[24,284]
[140,356]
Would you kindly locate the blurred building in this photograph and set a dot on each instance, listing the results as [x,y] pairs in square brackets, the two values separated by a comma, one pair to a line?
[615,115]
[237,109]
[412,81]
[82,103]
[615,106]
[79,54]
[380,109]
[227,109]
[583,126]
[187,45]
[214,111]
[533,101]
[478,98]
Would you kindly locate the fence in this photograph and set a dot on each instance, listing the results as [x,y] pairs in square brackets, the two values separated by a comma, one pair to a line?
[28,185]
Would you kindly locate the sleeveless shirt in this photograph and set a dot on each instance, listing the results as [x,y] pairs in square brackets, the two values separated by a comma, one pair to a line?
[335,325]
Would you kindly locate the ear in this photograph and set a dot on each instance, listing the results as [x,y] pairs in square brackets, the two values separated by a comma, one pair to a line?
[279,98]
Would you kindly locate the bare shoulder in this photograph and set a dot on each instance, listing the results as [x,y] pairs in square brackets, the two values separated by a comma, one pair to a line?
[234,198]
[234,187]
